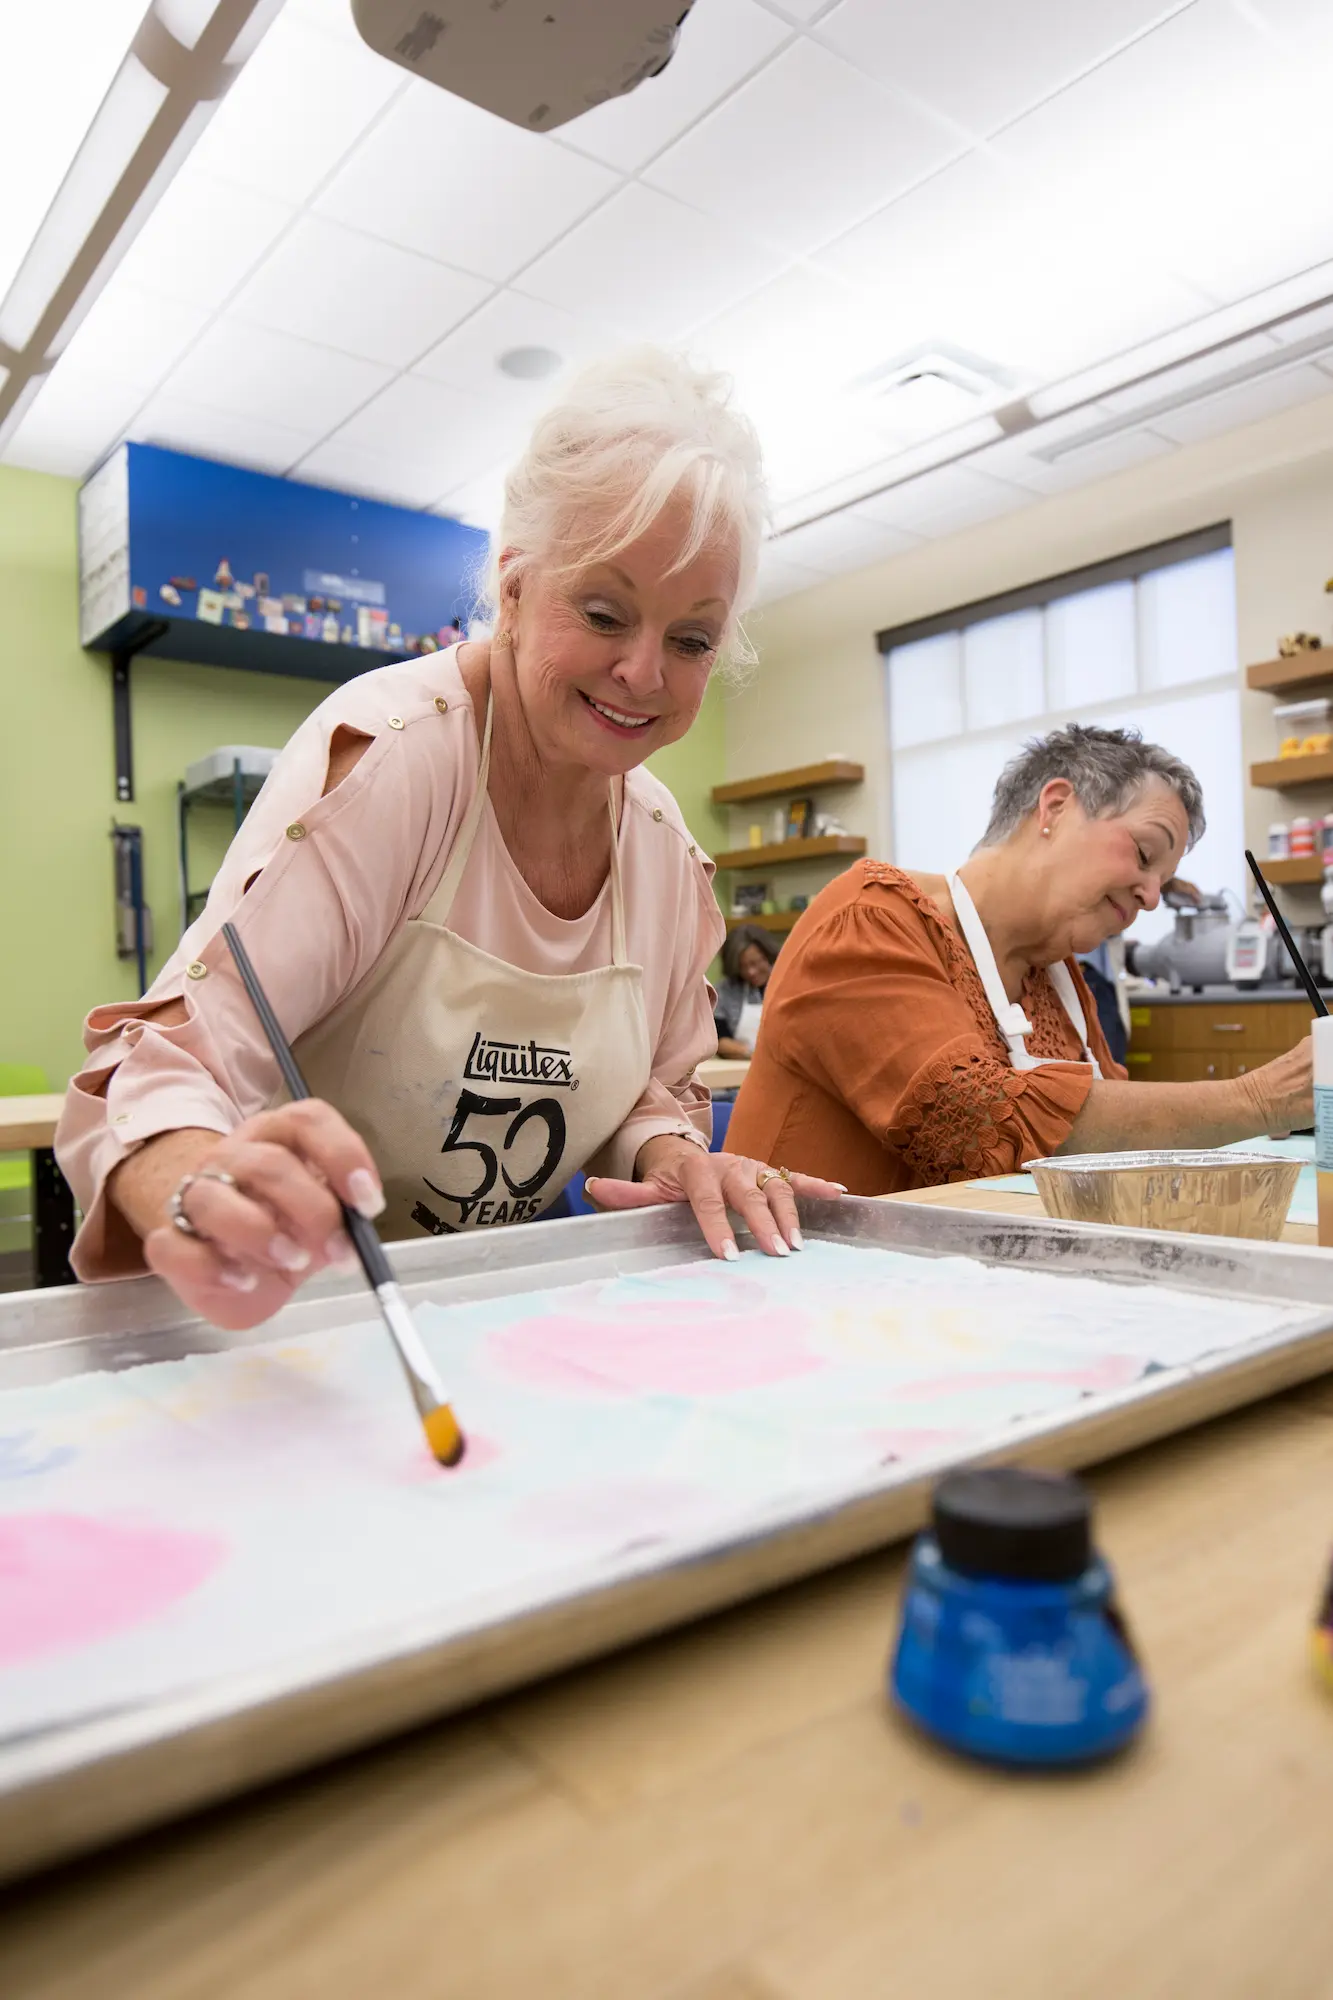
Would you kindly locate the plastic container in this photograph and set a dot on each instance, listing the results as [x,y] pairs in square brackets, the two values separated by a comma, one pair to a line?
[1321,1036]
[1326,839]
[1304,728]
[1011,1647]
[1279,840]
[1302,838]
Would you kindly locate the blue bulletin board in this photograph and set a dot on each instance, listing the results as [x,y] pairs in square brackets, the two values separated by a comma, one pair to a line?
[274,575]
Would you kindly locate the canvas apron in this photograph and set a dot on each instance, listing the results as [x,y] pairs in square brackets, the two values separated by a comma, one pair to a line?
[1010,1019]
[479,1088]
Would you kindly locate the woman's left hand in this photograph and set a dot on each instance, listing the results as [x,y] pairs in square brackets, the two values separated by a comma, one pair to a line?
[672,1169]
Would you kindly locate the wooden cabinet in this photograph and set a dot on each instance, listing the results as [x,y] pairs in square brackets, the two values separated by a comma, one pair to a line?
[1187,1042]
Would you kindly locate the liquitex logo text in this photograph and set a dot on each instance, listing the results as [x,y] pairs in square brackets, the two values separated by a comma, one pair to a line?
[519,1062]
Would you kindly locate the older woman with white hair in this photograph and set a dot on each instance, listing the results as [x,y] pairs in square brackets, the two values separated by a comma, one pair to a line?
[928,1028]
[484,927]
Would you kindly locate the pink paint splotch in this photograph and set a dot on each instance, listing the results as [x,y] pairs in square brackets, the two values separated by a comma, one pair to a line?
[1109,1371]
[691,1348]
[427,1471]
[67,1579]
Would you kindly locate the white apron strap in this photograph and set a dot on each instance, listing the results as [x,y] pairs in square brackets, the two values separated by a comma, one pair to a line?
[441,903]
[1010,1018]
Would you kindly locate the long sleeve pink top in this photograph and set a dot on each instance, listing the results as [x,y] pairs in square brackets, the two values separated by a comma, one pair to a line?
[343,873]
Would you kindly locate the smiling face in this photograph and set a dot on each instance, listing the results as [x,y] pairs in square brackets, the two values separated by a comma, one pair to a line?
[612,663]
[1105,871]
[753,966]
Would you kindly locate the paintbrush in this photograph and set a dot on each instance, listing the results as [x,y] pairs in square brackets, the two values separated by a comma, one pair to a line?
[443,1435]
[1303,972]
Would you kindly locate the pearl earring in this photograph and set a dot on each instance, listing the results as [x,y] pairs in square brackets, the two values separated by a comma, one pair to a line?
[1046,833]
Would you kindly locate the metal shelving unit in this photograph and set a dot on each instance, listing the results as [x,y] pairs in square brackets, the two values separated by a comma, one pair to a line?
[239,789]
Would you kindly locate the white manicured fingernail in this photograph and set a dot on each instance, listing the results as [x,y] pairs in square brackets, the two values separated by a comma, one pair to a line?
[729,1251]
[288,1256]
[367,1194]
[839,1186]
[779,1248]
[237,1280]
[797,1240]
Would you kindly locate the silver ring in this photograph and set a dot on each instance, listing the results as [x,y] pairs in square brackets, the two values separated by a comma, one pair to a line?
[176,1203]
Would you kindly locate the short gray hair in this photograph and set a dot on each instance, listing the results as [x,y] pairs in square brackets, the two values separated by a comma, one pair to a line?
[1107,769]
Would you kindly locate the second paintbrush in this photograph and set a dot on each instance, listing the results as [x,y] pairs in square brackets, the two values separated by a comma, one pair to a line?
[443,1434]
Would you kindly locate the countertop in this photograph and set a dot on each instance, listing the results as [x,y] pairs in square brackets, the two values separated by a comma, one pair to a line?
[1218,996]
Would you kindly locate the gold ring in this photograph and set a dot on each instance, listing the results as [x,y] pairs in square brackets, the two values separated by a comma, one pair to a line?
[767,1174]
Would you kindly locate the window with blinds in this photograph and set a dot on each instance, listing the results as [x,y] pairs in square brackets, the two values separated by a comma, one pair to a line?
[1147,640]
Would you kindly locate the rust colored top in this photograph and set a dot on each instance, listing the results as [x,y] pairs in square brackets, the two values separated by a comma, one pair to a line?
[879,1063]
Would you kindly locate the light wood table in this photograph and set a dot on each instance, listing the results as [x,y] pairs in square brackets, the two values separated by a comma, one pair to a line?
[981,1195]
[723,1072]
[30,1123]
[732,1813]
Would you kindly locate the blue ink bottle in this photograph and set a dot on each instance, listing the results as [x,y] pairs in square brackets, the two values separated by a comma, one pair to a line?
[1011,1647]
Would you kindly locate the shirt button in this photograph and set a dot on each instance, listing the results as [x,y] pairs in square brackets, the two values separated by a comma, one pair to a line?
[395,722]
[121,1118]
[441,703]
[296,831]
[197,971]
[693,848]
[657,812]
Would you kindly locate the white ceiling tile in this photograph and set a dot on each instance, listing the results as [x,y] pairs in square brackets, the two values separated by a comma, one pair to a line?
[480,502]
[803,150]
[439,176]
[273,377]
[1143,154]
[1193,375]
[842,542]
[134,334]
[650,266]
[468,357]
[299,104]
[445,434]
[1084,463]
[230,437]
[203,238]
[353,469]
[1305,325]
[720,43]
[983,65]
[1244,405]
[988,260]
[356,293]
[77,416]
[803,11]
[941,501]
[779,576]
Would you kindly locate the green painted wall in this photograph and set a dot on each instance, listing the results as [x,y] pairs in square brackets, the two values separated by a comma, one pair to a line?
[57,780]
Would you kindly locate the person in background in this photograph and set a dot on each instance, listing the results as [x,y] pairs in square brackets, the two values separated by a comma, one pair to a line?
[929,1028]
[748,957]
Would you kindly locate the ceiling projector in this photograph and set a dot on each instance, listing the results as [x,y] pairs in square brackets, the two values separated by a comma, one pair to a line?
[537,63]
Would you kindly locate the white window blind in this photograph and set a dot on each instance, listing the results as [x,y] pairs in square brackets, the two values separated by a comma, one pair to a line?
[1155,652]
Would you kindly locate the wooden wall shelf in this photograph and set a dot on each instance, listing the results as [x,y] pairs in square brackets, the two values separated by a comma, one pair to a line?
[1285,774]
[1307,868]
[779,922]
[833,771]
[1301,671]
[783,851]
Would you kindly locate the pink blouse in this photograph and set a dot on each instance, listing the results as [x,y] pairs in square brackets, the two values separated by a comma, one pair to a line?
[352,867]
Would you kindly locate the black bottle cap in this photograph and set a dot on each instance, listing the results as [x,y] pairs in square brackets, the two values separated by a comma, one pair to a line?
[1001,1521]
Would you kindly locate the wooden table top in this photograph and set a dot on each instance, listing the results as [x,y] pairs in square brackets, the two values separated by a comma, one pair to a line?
[732,1813]
[1007,1201]
[29,1121]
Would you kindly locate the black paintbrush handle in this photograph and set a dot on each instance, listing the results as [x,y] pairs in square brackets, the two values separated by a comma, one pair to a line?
[366,1243]
[1303,972]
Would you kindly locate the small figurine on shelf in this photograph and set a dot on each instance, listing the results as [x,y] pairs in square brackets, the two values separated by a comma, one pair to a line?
[1293,643]
[222,576]
[748,899]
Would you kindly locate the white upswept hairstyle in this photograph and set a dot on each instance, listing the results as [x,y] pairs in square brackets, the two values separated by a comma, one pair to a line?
[632,435]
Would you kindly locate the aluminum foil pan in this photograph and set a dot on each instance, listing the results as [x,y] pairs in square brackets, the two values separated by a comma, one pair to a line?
[1206,1193]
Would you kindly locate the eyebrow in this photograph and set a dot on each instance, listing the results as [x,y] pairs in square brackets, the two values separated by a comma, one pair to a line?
[629,583]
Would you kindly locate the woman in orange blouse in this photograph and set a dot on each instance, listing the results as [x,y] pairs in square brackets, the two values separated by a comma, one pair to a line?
[922,1028]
